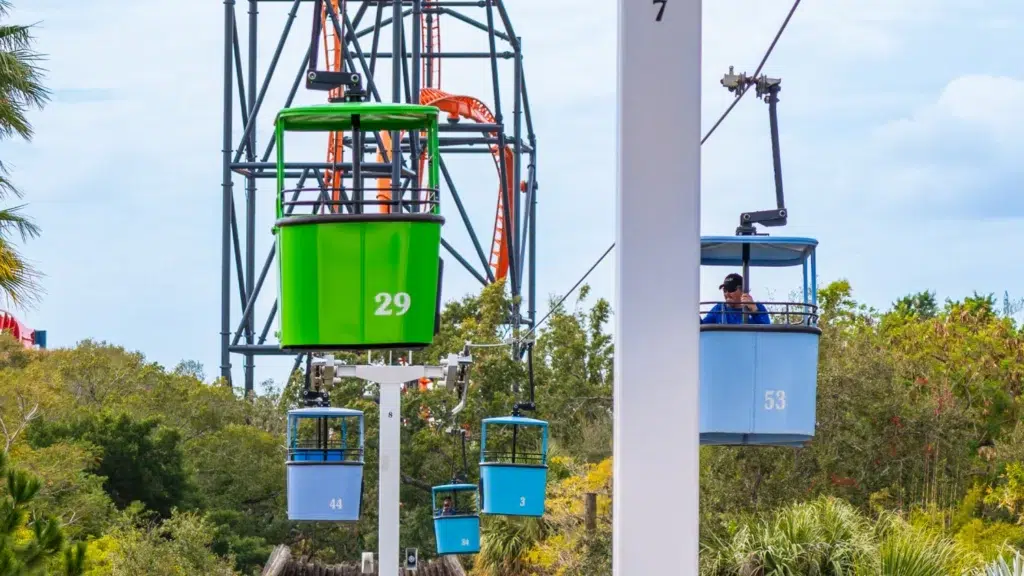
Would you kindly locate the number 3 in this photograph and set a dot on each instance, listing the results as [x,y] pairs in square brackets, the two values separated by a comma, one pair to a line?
[522,501]
[384,300]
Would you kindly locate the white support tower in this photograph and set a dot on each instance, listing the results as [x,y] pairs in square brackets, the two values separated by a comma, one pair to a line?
[657,288]
[390,379]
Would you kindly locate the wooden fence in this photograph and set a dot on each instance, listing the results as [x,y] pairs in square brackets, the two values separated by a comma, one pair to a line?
[281,563]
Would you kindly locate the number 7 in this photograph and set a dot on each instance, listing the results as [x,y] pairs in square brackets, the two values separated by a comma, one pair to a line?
[661,9]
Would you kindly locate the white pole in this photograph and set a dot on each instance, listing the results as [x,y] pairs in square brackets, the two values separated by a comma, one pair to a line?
[657,288]
[390,460]
[390,379]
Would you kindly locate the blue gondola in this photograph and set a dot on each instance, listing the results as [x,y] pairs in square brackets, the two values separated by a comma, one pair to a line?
[758,382]
[513,482]
[325,464]
[456,527]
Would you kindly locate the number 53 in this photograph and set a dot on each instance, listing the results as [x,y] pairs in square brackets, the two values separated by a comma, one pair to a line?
[774,399]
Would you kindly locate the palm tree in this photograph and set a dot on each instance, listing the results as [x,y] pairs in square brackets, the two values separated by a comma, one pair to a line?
[20,90]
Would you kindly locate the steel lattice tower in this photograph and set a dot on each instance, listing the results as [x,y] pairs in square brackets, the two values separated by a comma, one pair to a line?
[363,36]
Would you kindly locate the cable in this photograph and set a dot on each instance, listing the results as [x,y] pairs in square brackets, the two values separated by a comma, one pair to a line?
[567,294]
[735,101]
[756,72]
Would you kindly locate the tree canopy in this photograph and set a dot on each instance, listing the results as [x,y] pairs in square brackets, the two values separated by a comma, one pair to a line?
[919,450]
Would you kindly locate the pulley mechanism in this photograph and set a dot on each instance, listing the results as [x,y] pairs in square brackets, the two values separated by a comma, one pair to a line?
[330,80]
[459,476]
[319,373]
[530,406]
[767,89]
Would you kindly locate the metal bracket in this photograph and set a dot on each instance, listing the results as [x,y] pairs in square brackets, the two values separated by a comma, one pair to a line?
[767,89]
[453,370]
[328,80]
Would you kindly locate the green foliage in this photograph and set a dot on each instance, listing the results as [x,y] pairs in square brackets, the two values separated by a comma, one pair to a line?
[920,305]
[141,460]
[181,544]
[71,491]
[30,544]
[916,466]
[238,477]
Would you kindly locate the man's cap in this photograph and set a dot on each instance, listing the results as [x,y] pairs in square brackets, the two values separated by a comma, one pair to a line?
[732,283]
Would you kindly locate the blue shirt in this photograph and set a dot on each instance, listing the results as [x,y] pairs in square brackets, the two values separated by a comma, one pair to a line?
[735,315]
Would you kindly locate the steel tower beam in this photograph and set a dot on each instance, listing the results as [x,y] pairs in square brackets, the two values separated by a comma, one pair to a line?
[369,37]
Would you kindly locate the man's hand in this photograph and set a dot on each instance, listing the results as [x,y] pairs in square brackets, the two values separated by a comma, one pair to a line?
[748,303]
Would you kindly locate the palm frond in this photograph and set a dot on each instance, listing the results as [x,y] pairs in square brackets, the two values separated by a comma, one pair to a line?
[21,89]
[21,85]
[12,220]
[19,281]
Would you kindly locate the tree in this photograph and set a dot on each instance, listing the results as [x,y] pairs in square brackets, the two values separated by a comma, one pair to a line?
[237,473]
[29,543]
[20,90]
[922,305]
[142,461]
[69,491]
[180,544]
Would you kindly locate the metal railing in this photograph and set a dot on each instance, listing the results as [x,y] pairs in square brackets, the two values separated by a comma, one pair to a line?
[334,448]
[780,313]
[502,457]
[326,454]
[317,200]
[455,512]
[463,504]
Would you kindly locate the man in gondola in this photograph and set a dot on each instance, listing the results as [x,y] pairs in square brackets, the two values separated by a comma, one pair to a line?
[738,304]
[446,507]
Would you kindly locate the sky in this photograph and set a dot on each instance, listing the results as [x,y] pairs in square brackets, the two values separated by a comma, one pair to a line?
[900,127]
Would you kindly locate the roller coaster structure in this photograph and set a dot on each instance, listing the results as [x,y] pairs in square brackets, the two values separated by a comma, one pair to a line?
[338,43]
[21,332]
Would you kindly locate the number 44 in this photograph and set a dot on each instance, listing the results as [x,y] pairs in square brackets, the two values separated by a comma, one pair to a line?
[774,399]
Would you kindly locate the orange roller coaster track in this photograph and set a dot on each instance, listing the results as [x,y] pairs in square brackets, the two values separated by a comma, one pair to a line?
[335,62]
[455,106]
[475,110]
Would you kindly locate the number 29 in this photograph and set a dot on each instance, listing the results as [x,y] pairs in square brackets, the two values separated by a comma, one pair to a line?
[387,304]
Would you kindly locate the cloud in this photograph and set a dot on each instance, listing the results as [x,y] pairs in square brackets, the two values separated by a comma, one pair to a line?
[124,171]
[82,95]
[959,155]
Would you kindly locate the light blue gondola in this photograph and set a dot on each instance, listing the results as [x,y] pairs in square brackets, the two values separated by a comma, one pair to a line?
[513,483]
[325,464]
[758,382]
[457,532]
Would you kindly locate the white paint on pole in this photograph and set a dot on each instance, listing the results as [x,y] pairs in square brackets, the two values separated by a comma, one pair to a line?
[390,463]
[390,379]
[657,343]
